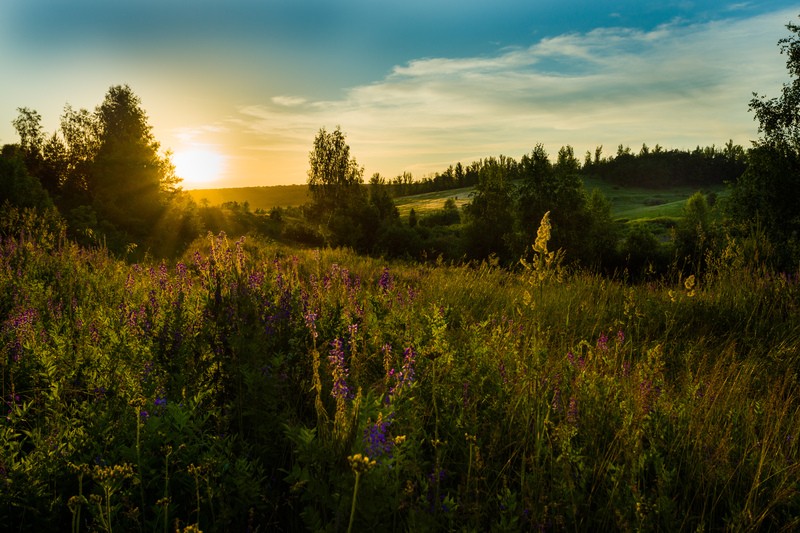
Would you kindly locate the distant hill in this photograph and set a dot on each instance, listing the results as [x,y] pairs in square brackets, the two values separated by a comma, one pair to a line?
[257,197]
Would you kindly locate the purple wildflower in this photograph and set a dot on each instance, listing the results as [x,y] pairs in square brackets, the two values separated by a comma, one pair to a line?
[602,343]
[311,323]
[556,403]
[405,377]
[377,441]
[352,330]
[580,362]
[339,370]
[572,412]
[385,283]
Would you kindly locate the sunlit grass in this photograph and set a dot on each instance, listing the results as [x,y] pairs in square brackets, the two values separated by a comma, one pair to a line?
[228,389]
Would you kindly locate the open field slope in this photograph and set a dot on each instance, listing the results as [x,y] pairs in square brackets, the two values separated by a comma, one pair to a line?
[432,201]
[258,197]
[627,203]
[631,203]
[251,386]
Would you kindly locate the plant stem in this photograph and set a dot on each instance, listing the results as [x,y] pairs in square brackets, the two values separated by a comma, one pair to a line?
[353,505]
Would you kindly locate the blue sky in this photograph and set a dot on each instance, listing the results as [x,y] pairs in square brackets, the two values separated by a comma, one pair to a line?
[416,85]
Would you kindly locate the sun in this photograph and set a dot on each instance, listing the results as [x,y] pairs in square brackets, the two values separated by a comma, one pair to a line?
[198,166]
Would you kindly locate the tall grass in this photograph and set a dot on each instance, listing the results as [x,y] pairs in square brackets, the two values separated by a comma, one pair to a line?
[256,386]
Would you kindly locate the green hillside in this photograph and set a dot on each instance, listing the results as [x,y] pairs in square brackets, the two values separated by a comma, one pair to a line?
[258,197]
[627,203]
[432,201]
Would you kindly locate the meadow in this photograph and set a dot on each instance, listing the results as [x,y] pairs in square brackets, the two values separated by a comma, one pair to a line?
[628,204]
[250,386]
[257,197]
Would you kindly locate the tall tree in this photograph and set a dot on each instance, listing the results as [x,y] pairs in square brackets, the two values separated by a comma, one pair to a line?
[779,117]
[490,223]
[31,144]
[338,197]
[29,128]
[129,179]
[768,190]
[81,139]
[334,178]
[557,189]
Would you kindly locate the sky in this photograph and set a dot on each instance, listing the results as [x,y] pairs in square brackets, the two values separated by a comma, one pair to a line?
[238,89]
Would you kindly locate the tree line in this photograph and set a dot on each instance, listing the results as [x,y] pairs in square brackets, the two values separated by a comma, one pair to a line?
[654,167]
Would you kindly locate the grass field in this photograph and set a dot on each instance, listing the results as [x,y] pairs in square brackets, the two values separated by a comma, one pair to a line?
[432,201]
[265,388]
[627,203]
[257,197]
[633,203]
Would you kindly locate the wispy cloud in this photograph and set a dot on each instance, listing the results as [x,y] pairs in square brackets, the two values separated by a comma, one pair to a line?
[288,101]
[678,85]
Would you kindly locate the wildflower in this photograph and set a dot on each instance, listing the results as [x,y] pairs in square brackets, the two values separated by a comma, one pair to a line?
[376,438]
[543,234]
[602,343]
[181,269]
[572,413]
[405,377]
[556,403]
[360,463]
[311,323]
[385,283]
[580,362]
[690,284]
[386,350]
[339,370]
[620,337]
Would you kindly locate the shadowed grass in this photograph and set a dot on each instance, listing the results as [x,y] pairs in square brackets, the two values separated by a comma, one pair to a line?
[229,389]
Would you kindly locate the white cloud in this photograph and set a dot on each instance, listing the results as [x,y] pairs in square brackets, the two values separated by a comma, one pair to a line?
[288,101]
[677,85]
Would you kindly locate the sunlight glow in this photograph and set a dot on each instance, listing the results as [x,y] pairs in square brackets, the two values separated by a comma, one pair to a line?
[198,166]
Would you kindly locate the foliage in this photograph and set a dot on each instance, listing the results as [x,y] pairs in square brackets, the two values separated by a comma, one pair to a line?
[767,190]
[253,386]
[696,233]
[107,177]
[334,178]
[17,186]
[659,168]
[490,220]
